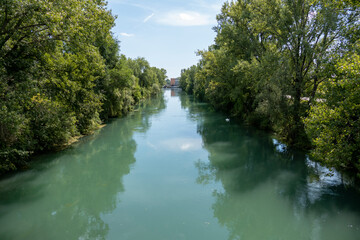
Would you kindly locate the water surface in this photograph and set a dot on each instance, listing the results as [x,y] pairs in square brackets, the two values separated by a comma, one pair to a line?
[175,169]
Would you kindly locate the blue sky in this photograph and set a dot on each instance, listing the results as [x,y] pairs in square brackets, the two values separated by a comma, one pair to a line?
[166,33]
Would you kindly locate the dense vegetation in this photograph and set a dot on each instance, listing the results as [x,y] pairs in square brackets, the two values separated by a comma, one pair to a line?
[291,67]
[61,75]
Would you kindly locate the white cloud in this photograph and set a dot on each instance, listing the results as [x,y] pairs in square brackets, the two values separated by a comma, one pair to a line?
[127,34]
[182,144]
[213,6]
[185,18]
[216,7]
[131,3]
[148,17]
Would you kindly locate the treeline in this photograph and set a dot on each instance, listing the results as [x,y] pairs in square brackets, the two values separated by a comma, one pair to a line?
[292,67]
[61,75]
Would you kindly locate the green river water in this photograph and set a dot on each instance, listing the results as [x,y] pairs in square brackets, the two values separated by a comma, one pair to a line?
[174,169]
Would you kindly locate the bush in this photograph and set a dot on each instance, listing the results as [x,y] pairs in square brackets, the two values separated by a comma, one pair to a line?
[50,123]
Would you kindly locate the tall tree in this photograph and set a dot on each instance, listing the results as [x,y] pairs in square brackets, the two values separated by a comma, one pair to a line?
[61,74]
[295,41]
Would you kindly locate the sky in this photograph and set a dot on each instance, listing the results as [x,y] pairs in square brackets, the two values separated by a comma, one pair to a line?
[166,33]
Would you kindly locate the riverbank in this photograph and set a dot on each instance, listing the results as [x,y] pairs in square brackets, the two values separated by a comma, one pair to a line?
[13,160]
[178,167]
[276,81]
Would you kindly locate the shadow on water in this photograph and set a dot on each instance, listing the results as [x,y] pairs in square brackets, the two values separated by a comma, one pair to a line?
[65,194]
[270,192]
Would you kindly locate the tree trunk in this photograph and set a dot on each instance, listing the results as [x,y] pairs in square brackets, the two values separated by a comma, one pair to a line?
[313,92]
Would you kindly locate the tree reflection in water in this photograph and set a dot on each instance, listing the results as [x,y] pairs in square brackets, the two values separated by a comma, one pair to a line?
[73,188]
[270,192]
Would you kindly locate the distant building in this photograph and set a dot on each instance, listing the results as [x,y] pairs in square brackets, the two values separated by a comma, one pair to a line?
[175,82]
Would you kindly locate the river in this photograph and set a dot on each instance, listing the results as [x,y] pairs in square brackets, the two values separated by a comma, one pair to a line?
[175,169]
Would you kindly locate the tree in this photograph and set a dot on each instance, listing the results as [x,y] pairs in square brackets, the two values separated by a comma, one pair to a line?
[295,41]
[187,79]
[118,87]
[334,123]
[61,75]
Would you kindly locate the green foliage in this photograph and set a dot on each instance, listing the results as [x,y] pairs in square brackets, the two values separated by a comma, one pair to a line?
[274,59]
[50,123]
[13,159]
[61,75]
[333,124]
[13,127]
[149,78]
[187,79]
[75,88]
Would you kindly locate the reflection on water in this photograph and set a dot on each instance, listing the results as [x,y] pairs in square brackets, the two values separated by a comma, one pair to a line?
[175,169]
[321,180]
[66,193]
[182,144]
[270,192]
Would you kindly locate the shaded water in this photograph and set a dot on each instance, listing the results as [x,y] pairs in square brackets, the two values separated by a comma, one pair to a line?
[175,169]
